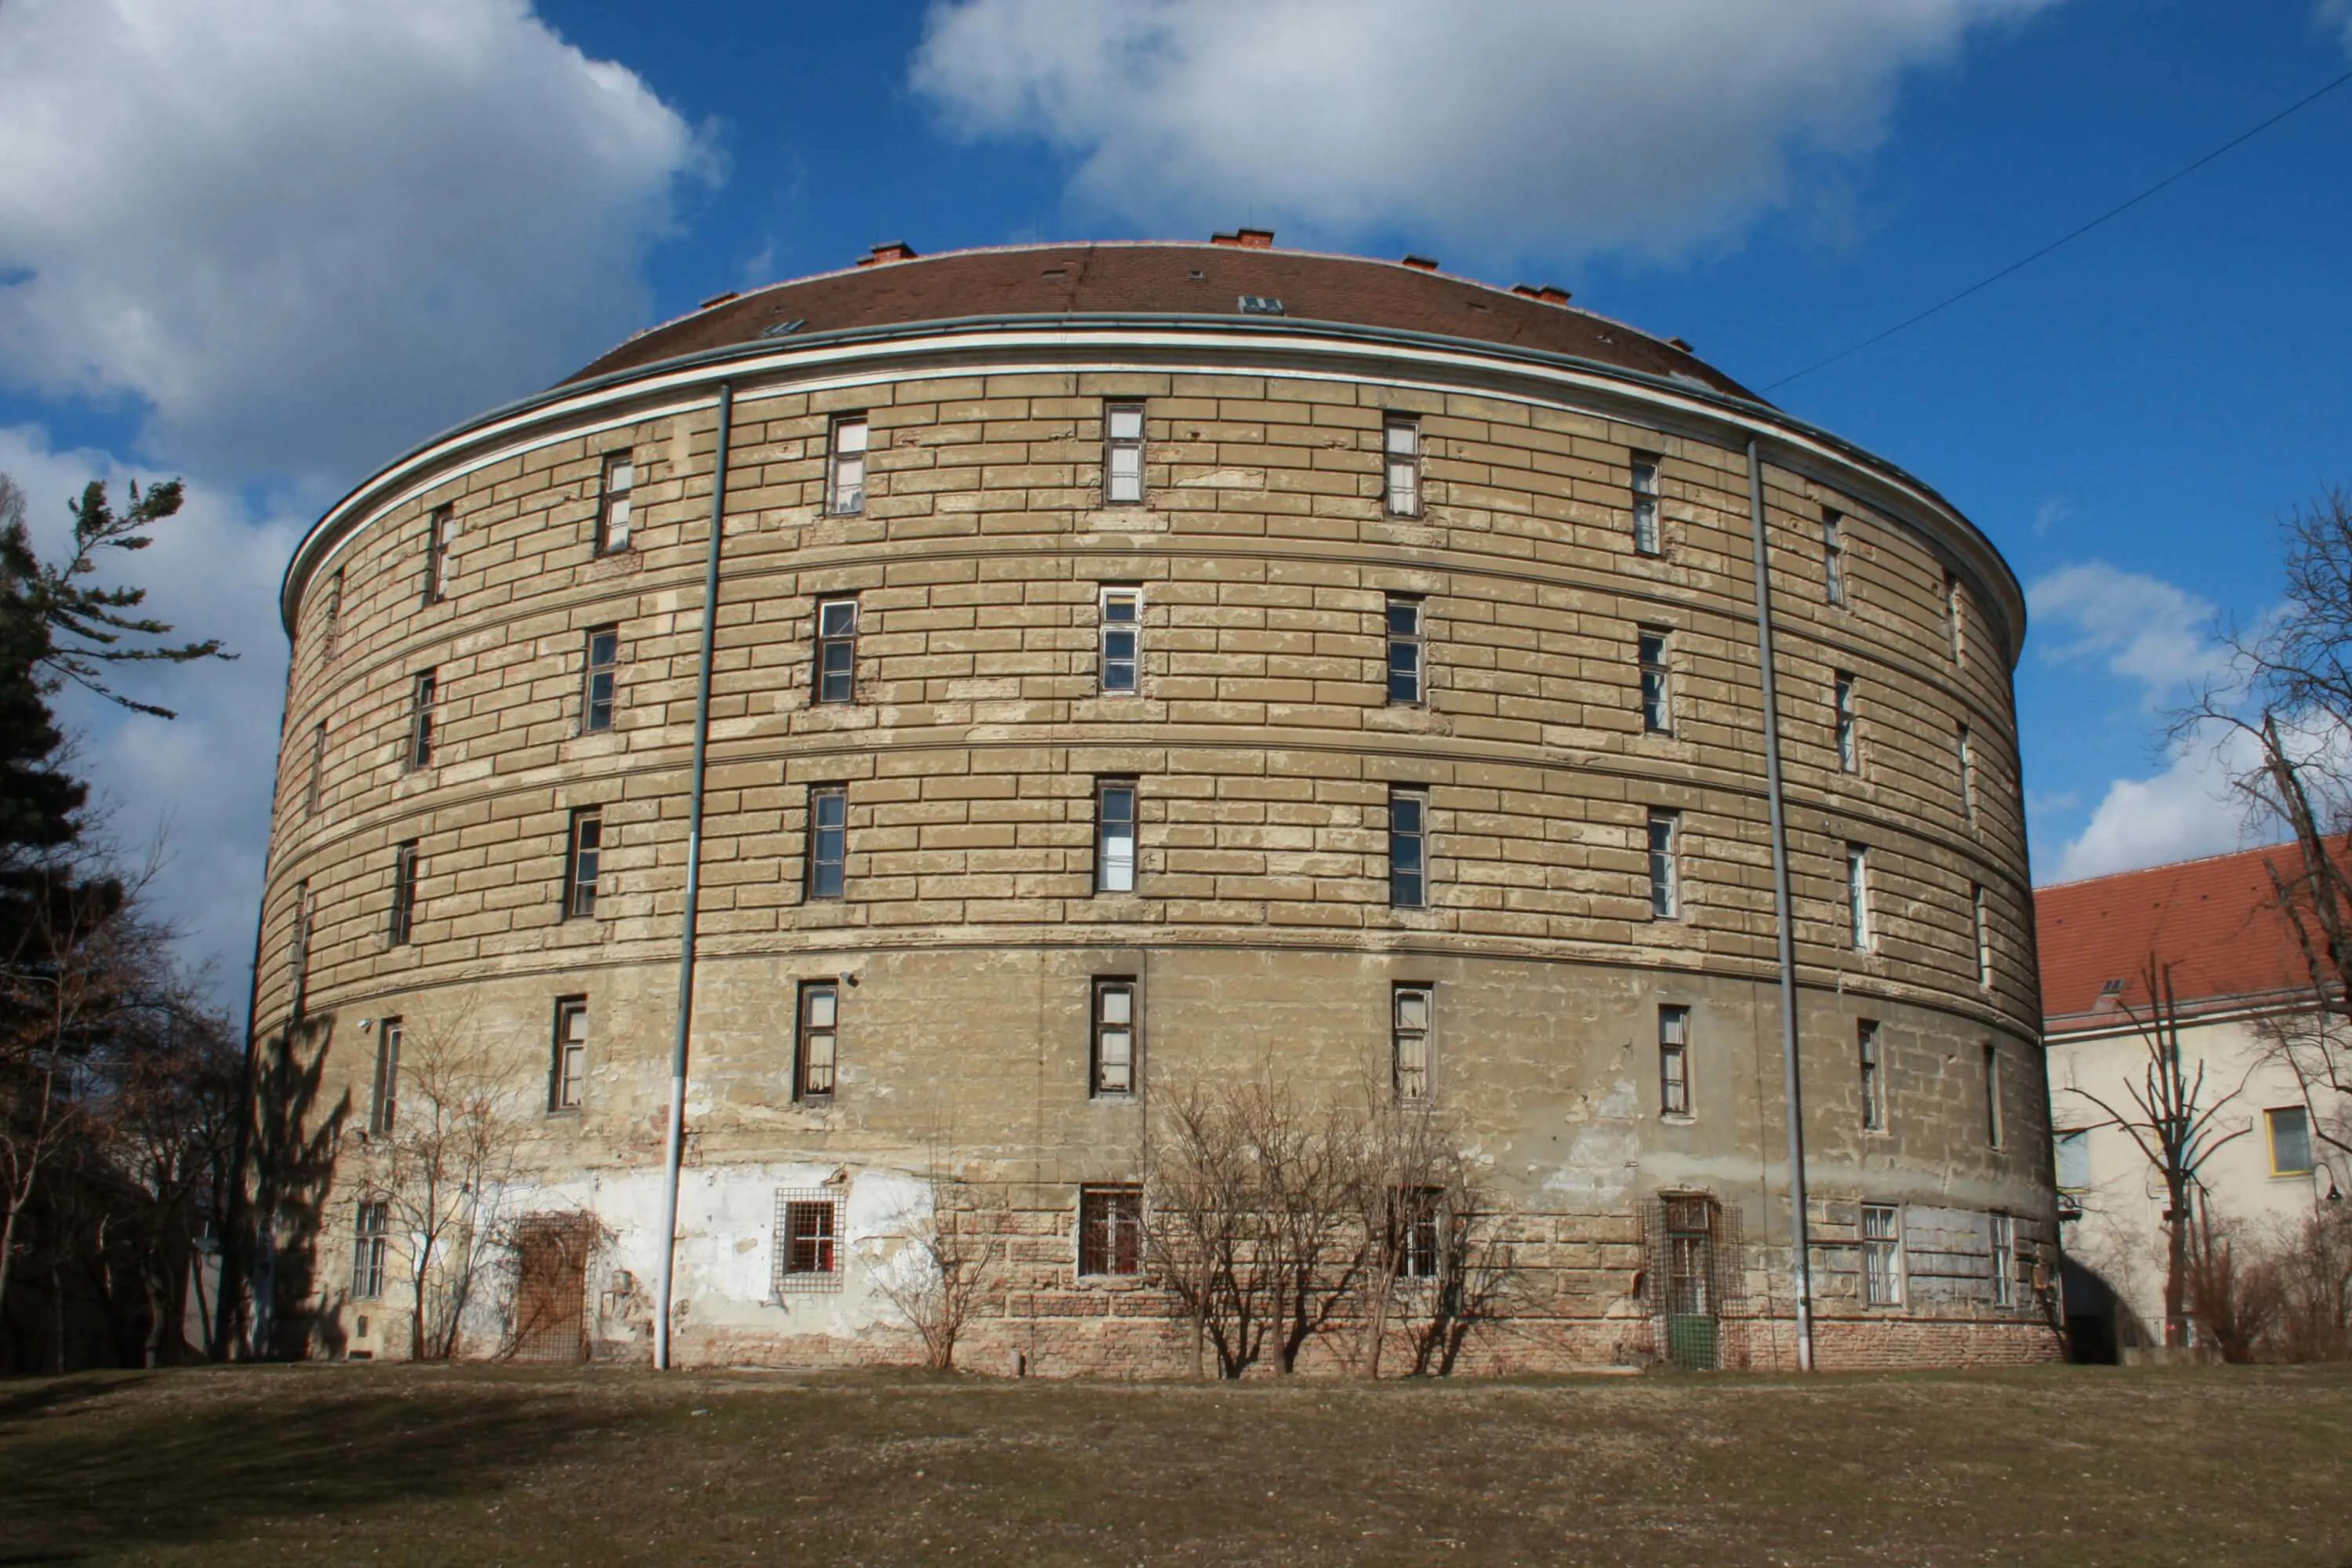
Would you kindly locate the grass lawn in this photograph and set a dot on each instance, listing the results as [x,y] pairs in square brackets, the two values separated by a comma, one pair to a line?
[446,1467]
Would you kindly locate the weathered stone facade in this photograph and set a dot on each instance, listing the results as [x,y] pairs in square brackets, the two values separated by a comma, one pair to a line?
[1262,747]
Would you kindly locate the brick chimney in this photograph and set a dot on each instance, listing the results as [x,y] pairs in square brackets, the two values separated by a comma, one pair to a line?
[888,250]
[1248,238]
[1421,263]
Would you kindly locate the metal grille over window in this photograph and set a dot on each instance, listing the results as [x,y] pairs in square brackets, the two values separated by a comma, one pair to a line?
[1873,1075]
[1408,850]
[828,846]
[1857,896]
[404,892]
[1657,694]
[2004,1259]
[1110,1231]
[1415,1007]
[583,861]
[550,1289]
[370,1232]
[1404,650]
[845,481]
[571,1067]
[1123,453]
[1665,873]
[1115,837]
[423,691]
[1693,1281]
[1114,1043]
[1400,442]
[1674,1061]
[612,504]
[820,1038]
[1833,557]
[440,540]
[1122,632]
[1882,1255]
[1849,751]
[1646,506]
[808,1240]
[1419,1220]
[603,667]
[836,651]
[383,1108]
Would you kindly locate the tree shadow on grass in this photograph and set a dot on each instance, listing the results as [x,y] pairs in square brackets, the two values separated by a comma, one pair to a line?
[91,1477]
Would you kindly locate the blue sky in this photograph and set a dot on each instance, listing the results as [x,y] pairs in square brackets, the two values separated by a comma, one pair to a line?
[267,244]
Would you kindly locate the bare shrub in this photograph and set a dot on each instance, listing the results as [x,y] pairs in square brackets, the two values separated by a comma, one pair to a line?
[944,1263]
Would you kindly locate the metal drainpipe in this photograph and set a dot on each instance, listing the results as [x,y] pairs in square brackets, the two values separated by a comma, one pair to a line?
[675,1152]
[1799,1241]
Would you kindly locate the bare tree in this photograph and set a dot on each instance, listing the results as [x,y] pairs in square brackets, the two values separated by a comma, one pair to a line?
[2168,1117]
[944,1263]
[2233,1290]
[1435,1263]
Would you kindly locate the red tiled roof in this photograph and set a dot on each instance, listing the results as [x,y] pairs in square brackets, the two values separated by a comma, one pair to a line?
[1156,279]
[2215,920]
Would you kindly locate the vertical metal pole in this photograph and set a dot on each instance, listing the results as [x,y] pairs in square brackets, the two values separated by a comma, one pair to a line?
[1799,1242]
[674,1153]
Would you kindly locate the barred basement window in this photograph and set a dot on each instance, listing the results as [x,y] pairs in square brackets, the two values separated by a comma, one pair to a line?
[2004,1259]
[817,1053]
[317,790]
[845,475]
[828,841]
[1665,871]
[1110,1231]
[836,651]
[1993,1124]
[1113,1049]
[808,1240]
[1873,1076]
[424,692]
[1849,748]
[1123,454]
[1833,557]
[1115,836]
[1674,1061]
[602,666]
[371,1229]
[440,540]
[584,857]
[612,503]
[1857,897]
[1121,662]
[1881,1255]
[567,1074]
[1404,625]
[383,1107]
[404,893]
[1414,1014]
[1646,540]
[1418,1219]
[1401,447]
[1408,850]
[1657,694]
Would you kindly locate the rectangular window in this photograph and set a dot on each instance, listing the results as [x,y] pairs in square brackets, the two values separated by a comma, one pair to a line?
[612,503]
[828,841]
[1412,1009]
[1123,453]
[1992,1122]
[373,1229]
[440,540]
[424,692]
[1420,1215]
[334,609]
[1115,836]
[845,466]
[1965,752]
[1873,1076]
[317,790]
[1400,446]
[1657,694]
[817,1051]
[567,1075]
[811,1249]
[583,862]
[2004,1259]
[1881,1255]
[1953,626]
[383,1107]
[1665,871]
[836,651]
[2290,1131]
[1404,625]
[1121,664]
[1114,1036]
[1984,935]
[1833,557]
[404,893]
[1849,746]
[1110,1231]
[297,950]
[604,672]
[1646,538]
[1408,850]
[1857,897]
[1674,1061]
[2072,1151]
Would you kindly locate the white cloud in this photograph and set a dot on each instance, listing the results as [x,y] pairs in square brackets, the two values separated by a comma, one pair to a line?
[2185,810]
[304,234]
[2337,13]
[1642,125]
[2138,627]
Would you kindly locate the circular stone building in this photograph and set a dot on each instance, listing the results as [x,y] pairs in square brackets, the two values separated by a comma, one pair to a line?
[1137,669]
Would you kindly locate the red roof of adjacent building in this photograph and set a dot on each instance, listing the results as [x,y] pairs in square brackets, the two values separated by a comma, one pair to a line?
[2216,921]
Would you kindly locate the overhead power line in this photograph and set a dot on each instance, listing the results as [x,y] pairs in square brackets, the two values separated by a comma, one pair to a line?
[2067,238]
